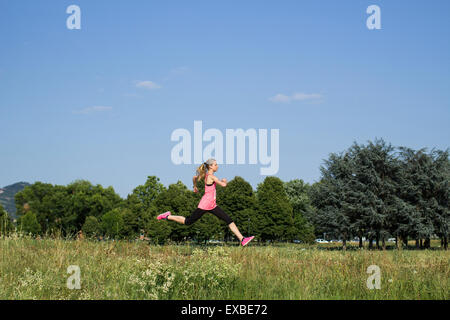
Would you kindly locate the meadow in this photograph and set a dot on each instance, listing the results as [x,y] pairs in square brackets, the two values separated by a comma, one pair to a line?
[38,269]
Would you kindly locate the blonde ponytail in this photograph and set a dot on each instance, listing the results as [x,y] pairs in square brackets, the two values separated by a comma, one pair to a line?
[201,170]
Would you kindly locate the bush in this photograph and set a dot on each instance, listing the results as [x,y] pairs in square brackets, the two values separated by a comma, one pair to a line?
[29,224]
[6,225]
[91,227]
[112,223]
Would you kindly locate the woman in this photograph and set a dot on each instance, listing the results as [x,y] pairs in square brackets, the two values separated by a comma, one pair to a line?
[208,201]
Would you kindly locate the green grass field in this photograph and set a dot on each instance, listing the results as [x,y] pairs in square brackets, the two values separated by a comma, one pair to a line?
[37,269]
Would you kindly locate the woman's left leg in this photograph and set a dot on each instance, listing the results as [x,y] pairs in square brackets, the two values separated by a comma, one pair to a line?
[197,214]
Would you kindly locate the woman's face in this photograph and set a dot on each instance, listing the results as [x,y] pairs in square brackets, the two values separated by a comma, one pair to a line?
[214,166]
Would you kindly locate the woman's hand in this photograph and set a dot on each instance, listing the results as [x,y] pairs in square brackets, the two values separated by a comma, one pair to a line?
[195,189]
[224,180]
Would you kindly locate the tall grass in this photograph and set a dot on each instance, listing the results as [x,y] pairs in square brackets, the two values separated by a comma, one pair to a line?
[37,269]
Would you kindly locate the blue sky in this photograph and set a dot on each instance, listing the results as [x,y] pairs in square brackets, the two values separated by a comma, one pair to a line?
[100,103]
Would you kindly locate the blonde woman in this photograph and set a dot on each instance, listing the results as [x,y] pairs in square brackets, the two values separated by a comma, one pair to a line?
[208,202]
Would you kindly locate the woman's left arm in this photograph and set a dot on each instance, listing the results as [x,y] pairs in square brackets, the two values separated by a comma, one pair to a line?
[222,182]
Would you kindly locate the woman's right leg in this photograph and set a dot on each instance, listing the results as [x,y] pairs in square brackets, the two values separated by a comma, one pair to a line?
[235,230]
[218,212]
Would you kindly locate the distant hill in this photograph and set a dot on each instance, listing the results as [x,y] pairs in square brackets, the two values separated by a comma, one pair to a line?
[7,197]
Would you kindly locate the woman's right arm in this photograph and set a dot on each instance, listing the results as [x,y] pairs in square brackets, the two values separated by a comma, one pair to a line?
[194,181]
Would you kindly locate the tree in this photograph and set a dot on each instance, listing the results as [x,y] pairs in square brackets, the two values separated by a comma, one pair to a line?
[140,215]
[158,231]
[131,223]
[358,192]
[417,192]
[32,198]
[275,215]
[426,192]
[29,224]
[86,200]
[112,223]
[374,177]
[238,200]
[180,201]
[54,208]
[65,208]
[332,197]
[6,225]
[148,192]
[441,194]
[91,227]
[297,192]
[141,202]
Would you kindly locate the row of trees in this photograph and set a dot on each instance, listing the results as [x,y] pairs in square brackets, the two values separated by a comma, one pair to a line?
[274,212]
[372,191]
[377,191]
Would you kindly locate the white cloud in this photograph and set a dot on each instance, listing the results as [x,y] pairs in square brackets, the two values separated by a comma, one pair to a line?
[176,72]
[305,96]
[282,98]
[179,70]
[148,85]
[92,110]
[132,95]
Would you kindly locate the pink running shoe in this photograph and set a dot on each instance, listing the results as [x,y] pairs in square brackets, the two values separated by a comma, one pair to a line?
[246,240]
[163,215]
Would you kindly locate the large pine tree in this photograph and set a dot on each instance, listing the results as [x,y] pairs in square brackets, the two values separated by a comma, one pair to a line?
[333,197]
[375,181]
[417,192]
[297,193]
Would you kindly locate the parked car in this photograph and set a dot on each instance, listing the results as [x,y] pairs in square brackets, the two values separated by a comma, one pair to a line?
[334,240]
[391,240]
[321,241]
[297,241]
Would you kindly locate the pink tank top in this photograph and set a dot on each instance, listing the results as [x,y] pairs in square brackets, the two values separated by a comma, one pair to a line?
[208,201]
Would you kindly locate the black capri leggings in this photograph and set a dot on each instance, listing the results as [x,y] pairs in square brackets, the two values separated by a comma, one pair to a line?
[198,213]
